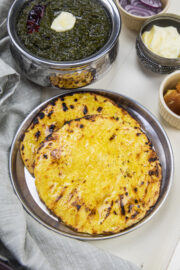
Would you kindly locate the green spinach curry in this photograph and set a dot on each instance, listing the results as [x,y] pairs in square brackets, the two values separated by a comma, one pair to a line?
[89,34]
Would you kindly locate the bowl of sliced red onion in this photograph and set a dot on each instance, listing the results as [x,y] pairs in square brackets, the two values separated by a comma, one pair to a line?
[135,12]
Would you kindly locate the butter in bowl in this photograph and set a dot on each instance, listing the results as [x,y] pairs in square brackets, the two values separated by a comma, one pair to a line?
[158,44]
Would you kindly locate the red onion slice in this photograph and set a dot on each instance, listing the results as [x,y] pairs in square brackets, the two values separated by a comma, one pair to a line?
[152,3]
[138,11]
[123,3]
[142,8]
[137,3]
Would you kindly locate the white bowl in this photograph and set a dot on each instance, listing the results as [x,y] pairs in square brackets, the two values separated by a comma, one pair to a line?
[169,83]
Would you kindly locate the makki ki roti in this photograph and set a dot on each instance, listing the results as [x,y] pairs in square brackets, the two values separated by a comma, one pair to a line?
[63,109]
[97,174]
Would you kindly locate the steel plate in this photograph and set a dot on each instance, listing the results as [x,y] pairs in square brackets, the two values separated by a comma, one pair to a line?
[23,182]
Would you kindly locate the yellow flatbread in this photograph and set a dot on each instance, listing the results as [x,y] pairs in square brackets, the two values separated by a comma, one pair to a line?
[99,175]
[57,112]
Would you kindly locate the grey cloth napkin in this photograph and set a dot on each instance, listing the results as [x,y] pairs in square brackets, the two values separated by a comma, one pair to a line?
[24,243]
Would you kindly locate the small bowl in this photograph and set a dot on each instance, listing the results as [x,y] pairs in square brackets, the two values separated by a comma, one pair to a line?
[147,58]
[69,74]
[169,83]
[134,22]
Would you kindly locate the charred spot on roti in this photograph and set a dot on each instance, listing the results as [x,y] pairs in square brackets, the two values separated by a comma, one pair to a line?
[112,137]
[152,159]
[52,128]
[99,109]
[53,102]
[122,206]
[85,110]
[50,113]
[64,107]
[37,134]
[41,115]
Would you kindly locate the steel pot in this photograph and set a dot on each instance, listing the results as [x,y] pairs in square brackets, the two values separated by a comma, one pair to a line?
[65,75]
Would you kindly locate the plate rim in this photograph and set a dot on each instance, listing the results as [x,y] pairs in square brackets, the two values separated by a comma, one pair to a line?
[93,237]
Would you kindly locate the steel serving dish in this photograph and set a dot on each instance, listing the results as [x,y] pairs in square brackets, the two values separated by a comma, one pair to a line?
[147,58]
[24,185]
[71,74]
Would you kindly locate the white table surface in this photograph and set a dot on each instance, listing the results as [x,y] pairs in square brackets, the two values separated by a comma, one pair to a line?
[151,246]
